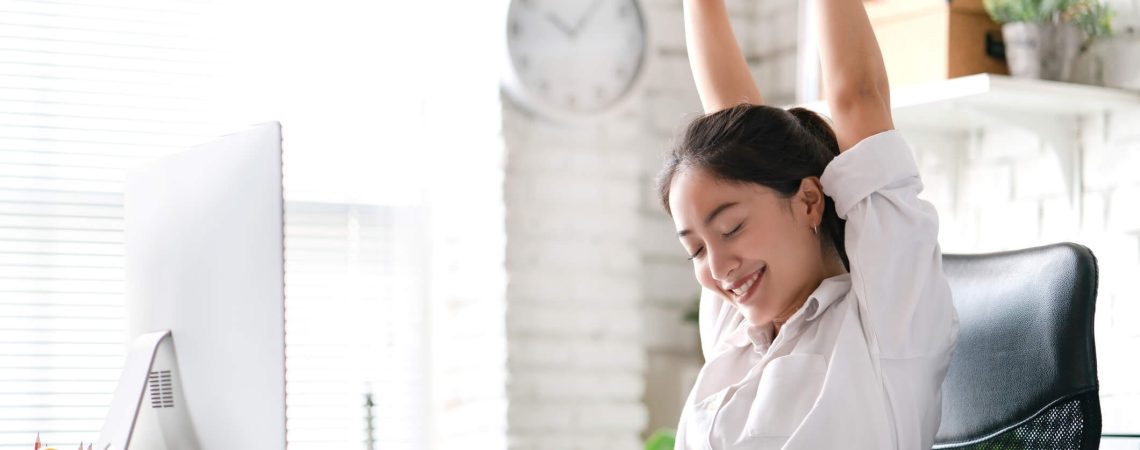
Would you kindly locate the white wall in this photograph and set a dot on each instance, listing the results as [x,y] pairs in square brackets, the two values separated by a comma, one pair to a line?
[575,359]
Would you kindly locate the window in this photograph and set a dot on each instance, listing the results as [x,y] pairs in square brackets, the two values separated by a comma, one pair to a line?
[86,91]
[355,330]
[91,88]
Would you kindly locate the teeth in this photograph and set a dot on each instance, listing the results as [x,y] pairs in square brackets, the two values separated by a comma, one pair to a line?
[748,284]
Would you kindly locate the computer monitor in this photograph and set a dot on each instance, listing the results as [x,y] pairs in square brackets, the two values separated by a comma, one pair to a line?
[205,300]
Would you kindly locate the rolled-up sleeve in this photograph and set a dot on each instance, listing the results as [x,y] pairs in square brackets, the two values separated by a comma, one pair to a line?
[892,244]
[716,318]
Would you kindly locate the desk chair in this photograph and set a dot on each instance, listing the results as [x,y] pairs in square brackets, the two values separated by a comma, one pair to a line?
[1023,375]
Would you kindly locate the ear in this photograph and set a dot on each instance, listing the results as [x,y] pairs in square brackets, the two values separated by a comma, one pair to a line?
[811,199]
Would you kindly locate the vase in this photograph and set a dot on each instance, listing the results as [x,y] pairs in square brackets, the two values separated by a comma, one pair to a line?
[1120,66]
[1043,51]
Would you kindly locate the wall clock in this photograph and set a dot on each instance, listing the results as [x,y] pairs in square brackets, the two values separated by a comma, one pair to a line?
[571,59]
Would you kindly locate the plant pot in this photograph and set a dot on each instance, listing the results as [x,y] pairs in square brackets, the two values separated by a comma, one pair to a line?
[1043,51]
[1118,61]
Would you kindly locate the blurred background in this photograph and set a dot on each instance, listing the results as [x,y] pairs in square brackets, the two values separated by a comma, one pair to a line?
[475,256]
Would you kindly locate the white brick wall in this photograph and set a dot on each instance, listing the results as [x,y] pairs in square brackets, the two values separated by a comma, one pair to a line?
[575,357]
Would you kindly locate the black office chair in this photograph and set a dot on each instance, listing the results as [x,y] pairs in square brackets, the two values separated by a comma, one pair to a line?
[1024,373]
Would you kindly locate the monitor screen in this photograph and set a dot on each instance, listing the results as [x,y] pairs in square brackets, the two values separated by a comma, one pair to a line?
[204,260]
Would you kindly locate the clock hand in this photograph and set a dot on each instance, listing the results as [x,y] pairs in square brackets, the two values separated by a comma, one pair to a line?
[586,16]
[559,24]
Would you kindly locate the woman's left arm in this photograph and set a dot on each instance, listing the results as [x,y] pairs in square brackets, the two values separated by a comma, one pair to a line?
[891,238]
[855,81]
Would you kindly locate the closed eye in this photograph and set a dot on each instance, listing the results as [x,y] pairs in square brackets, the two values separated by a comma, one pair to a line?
[734,230]
[727,235]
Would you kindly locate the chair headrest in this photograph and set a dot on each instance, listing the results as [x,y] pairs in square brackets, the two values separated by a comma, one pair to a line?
[1025,337]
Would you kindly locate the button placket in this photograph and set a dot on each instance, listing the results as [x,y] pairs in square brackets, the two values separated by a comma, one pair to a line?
[715,407]
[706,413]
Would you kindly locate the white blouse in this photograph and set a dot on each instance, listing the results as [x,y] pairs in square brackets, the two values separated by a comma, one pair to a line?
[860,365]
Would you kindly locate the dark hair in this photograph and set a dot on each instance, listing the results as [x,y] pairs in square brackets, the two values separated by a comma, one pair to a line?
[760,144]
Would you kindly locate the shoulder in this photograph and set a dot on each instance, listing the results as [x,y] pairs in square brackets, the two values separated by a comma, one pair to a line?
[877,161]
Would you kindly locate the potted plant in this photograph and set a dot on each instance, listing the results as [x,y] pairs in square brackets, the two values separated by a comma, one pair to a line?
[1112,62]
[1043,37]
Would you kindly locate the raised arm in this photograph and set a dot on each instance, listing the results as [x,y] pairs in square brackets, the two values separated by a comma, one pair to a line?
[719,68]
[854,78]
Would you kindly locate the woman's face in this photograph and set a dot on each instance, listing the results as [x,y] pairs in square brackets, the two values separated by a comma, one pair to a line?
[748,244]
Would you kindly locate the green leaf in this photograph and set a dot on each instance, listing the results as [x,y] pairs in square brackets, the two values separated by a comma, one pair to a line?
[1093,17]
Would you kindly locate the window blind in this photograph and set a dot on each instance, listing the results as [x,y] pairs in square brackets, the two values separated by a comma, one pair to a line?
[355,329]
[89,89]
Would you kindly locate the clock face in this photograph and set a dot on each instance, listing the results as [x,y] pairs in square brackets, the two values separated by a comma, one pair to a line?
[575,56]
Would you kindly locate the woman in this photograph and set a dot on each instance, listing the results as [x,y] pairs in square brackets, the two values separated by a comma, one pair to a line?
[826,321]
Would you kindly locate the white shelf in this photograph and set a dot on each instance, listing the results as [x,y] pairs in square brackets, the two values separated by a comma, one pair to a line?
[1050,109]
[978,100]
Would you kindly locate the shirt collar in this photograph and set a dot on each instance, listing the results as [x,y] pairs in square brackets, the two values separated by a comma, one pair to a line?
[829,291]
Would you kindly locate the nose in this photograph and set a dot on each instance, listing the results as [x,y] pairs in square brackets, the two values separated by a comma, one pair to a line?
[721,263]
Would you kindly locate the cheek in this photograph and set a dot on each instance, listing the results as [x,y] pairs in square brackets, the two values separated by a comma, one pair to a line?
[773,239]
[704,276]
[762,241]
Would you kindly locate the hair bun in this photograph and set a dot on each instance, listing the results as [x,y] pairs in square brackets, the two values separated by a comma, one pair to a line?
[815,125]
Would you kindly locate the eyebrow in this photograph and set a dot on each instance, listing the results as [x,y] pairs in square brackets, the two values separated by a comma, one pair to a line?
[711,216]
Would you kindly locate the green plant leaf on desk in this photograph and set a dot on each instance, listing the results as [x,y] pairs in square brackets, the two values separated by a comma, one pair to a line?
[662,439]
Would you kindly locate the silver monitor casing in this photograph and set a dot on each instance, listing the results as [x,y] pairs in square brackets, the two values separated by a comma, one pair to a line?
[205,300]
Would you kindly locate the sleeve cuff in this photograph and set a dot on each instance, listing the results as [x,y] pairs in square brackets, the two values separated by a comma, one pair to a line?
[873,163]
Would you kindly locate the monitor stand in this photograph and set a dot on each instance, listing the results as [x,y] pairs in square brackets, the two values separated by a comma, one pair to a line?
[151,362]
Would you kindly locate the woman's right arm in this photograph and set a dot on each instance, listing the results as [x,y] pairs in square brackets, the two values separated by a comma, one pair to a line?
[855,82]
[718,66]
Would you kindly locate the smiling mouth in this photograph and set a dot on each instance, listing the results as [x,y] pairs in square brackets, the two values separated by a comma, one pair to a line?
[745,291]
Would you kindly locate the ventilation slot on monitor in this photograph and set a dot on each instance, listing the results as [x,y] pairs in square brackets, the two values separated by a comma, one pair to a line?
[161,389]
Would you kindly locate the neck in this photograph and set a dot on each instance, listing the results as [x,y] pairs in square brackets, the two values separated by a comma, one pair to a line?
[779,320]
[829,268]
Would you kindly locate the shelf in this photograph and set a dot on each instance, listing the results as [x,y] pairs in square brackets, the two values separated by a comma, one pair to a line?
[1052,110]
[978,100]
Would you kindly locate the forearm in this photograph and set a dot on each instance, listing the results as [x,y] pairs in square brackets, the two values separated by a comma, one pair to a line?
[719,68]
[851,63]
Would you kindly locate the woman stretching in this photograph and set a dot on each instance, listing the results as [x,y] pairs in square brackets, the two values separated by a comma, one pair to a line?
[826,321]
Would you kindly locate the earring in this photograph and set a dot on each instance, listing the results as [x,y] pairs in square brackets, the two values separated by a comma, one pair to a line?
[815,229]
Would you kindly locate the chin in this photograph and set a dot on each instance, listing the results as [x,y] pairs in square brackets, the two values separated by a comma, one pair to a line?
[754,317]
